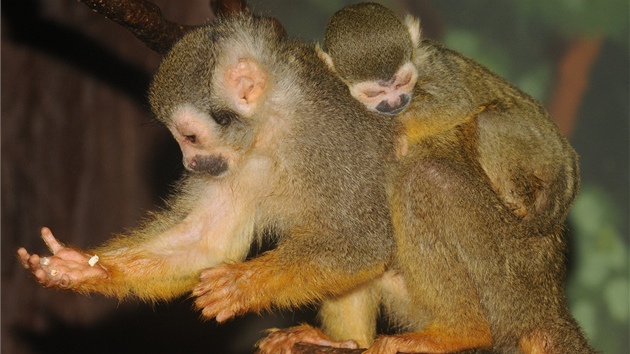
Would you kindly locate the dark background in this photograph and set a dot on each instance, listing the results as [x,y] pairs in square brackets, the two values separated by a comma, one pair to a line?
[82,155]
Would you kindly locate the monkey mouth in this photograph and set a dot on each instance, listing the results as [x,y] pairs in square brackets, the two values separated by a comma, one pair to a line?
[213,165]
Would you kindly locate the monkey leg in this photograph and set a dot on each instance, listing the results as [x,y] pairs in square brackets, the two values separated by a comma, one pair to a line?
[433,291]
[556,336]
[353,316]
[530,165]
[439,301]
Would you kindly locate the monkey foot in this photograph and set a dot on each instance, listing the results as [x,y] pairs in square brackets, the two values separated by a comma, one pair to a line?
[427,342]
[283,340]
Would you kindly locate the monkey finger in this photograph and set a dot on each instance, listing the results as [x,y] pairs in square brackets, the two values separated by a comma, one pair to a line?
[208,308]
[42,277]
[200,290]
[53,245]
[210,298]
[55,276]
[24,256]
[219,315]
[211,285]
[204,287]
[72,256]
[224,316]
[34,261]
[216,305]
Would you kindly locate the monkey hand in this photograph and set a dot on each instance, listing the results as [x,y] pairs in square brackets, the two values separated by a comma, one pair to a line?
[65,269]
[224,292]
[283,340]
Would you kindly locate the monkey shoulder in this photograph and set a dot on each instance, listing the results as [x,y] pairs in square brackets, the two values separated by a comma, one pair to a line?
[458,76]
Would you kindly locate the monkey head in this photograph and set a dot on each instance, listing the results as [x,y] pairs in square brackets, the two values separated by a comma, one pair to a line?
[208,92]
[373,50]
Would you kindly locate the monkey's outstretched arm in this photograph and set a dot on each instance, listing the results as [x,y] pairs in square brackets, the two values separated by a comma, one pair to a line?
[160,260]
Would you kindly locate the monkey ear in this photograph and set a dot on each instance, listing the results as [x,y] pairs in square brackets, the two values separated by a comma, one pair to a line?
[246,82]
[325,57]
[413,26]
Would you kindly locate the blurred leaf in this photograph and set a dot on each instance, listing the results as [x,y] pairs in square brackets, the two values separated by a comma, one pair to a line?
[586,314]
[601,269]
[586,17]
[537,81]
[472,45]
[593,209]
[617,296]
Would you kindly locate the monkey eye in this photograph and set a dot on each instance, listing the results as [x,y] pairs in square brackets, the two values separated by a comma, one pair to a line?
[191,138]
[372,94]
[224,117]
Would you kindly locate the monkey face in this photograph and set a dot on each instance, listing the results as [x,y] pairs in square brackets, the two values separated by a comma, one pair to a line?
[201,139]
[390,97]
[209,96]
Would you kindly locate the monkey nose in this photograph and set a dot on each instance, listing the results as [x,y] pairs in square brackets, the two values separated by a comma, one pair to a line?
[386,107]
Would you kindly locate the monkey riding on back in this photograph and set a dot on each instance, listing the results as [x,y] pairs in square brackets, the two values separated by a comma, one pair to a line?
[430,89]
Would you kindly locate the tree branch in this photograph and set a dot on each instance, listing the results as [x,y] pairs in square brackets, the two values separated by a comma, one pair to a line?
[143,19]
[573,71]
[227,7]
[303,348]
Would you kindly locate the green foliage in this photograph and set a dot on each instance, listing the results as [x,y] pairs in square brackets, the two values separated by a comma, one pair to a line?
[586,17]
[475,46]
[601,270]
[534,79]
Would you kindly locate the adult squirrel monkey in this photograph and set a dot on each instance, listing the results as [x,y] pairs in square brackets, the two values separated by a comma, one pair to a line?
[267,152]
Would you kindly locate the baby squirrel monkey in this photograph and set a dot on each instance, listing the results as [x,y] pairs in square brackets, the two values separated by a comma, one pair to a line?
[431,88]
